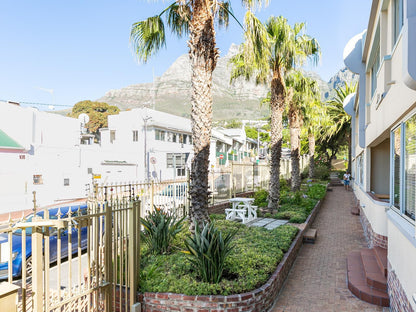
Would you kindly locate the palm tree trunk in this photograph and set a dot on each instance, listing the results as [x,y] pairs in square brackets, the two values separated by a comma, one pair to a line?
[311,141]
[294,129]
[277,104]
[203,56]
[349,151]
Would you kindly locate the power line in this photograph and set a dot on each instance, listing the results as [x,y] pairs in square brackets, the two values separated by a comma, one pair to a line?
[35,103]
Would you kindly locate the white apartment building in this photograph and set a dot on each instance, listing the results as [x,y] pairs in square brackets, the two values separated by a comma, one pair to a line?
[384,139]
[42,155]
[146,145]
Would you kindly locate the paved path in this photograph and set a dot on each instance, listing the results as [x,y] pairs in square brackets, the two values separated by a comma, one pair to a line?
[267,223]
[317,281]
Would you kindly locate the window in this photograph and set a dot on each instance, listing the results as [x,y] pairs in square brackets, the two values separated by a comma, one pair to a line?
[410,167]
[375,60]
[135,135]
[178,159]
[360,170]
[374,70]
[397,19]
[37,179]
[396,139]
[160,135]
[404,168]
[112,136]
[180,172]
[174,137]
[66,182]
[170,136]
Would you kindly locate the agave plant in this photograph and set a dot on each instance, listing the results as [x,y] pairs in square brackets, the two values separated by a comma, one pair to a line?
[208,249]
[160,228]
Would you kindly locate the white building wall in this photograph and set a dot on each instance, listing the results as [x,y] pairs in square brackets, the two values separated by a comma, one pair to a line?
[52,142]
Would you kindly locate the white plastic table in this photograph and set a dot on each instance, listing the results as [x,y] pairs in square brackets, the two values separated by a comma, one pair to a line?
[242,208]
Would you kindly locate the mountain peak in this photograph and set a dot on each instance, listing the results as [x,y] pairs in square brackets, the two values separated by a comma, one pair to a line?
[171,92]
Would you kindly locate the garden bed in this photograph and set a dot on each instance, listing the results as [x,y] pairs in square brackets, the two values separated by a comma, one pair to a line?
[259,299]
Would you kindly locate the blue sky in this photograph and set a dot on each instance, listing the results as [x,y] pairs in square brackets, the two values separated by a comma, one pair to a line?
[80,48]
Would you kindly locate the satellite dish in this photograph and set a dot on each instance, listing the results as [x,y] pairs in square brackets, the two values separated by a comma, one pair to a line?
[83,118]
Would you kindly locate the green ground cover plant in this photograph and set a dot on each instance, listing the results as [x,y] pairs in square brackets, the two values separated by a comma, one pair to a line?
[296,207]
[254,256]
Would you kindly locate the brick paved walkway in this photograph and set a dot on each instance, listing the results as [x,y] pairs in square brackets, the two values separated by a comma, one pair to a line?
[317,281]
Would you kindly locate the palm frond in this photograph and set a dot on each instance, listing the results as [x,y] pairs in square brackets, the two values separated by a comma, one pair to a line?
[254,5]
[178,19]
[147,37]
[224,12]
[256,47]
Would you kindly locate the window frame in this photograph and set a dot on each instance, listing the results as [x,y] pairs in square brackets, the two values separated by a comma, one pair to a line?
[135,135]
[37,179]
[401,210]
[112,136]
[397,20]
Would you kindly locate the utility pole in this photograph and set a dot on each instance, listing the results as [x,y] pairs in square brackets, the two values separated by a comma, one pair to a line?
[146,163]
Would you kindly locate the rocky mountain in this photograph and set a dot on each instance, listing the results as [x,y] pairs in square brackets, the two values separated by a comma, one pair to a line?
[238,100]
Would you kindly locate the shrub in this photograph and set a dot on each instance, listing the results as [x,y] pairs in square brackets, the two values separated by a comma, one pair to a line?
[321,172]
[316,191]
[260,198]
[209,249]
[293,216]
[284,186]
[160,228]
[215,216]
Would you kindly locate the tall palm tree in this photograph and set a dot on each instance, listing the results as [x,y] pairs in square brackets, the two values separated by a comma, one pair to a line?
[268,52]
[315,119]
[301,91]
[341,121]
[195,17]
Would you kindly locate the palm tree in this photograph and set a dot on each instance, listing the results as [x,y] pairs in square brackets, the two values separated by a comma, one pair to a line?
[341,121]
[195,17]
[315,119]
[301,91]
[270,50]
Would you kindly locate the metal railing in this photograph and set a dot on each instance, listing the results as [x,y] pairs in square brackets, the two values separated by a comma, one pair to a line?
[168,195]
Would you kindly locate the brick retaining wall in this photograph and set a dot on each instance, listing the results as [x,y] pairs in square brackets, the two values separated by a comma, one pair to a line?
[398,298]
[261,299]
[374,239]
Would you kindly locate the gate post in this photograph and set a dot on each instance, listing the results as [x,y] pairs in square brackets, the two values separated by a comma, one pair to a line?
[108,256]
[37,269]
[232,180]
[134,250]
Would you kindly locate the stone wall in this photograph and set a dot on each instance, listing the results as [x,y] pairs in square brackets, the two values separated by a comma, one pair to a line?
[398,298]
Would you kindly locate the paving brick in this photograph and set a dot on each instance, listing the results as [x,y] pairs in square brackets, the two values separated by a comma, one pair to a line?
[317,281]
